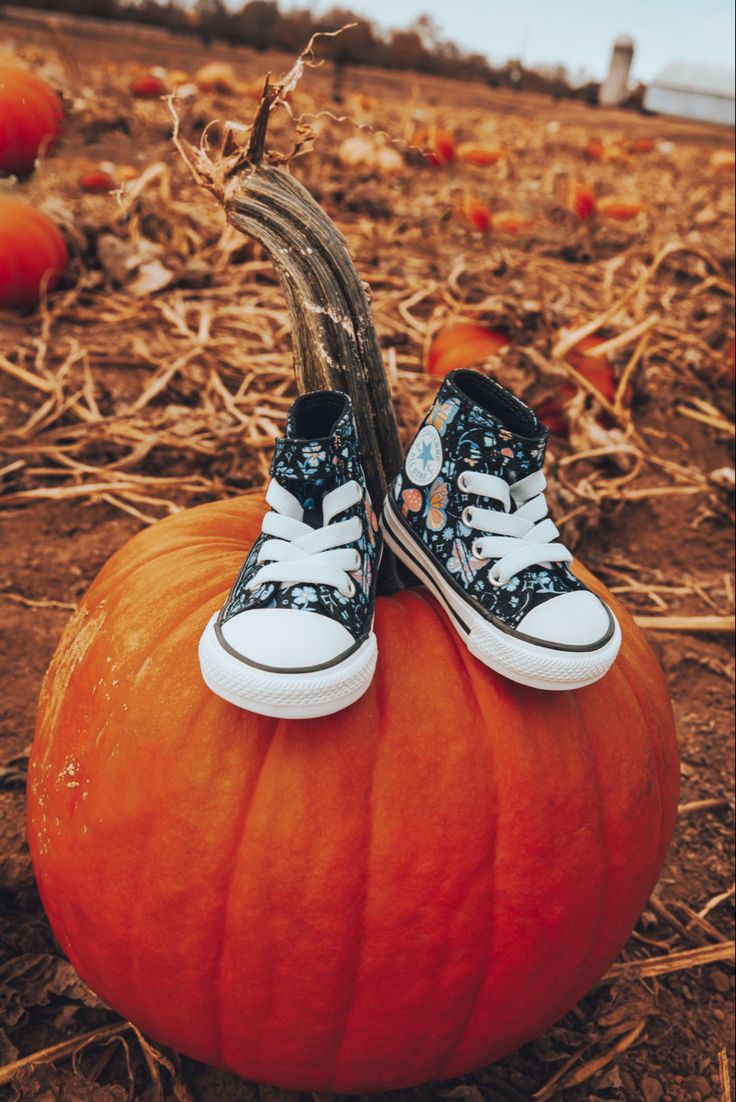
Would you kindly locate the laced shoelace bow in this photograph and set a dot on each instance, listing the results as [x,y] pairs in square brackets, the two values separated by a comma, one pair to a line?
[299,553]
[516,540]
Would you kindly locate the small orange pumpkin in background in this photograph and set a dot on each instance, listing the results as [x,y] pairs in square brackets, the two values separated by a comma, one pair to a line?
[462,344]
[438,144]
[723,160]
[475,153]
[402,892]
[96,181]
[642,144]
[148,86]
[623,210]
[30,118]
[478,214]
[595,149]
[583,201]
[511,222]
[32,254]
[596,369]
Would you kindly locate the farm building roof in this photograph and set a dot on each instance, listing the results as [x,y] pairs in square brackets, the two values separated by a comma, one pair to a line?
[687,76]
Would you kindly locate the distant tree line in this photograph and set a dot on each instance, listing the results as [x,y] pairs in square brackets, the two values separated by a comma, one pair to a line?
[262,25]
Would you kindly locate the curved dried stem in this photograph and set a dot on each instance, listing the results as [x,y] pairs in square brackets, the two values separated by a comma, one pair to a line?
[334,341]
[333,337]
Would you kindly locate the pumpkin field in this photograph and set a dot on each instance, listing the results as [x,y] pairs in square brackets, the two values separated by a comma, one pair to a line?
[581,256]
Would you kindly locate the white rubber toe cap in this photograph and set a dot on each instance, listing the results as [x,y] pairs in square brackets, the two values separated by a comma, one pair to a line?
[576,619]
[286,638]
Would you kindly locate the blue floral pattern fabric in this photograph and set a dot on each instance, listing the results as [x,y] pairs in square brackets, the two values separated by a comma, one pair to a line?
[460,435]
[309,469]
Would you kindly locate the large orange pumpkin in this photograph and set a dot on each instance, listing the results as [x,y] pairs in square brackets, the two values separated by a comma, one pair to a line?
[400,892]
[32,253]
[30,118]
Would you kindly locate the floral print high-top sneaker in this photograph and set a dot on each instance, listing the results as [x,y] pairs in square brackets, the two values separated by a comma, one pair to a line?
[467,515]
[294,638]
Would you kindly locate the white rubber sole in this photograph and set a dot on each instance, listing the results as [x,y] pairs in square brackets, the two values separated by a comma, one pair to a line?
[527,663]
[286,695]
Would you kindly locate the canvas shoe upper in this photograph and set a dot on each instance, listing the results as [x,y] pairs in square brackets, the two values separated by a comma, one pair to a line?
[294,636]
[468,515]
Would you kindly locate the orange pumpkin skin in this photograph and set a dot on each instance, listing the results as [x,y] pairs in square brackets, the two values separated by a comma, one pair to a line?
[462,344]
[400,892]
[583,201]
[623,210]
[471,210]
[30,118]
[96,181]
[439,143]
[147,87]
[508,221]
[475,153]
[32,252]
[596,369]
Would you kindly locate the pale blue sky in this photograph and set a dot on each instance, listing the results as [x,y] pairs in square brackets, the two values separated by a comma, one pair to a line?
[574,32]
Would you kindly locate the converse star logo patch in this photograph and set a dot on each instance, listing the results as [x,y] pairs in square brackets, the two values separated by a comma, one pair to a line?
[424,460]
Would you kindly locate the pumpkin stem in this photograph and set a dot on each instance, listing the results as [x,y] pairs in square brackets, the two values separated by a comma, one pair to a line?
[334,341]
[257,143]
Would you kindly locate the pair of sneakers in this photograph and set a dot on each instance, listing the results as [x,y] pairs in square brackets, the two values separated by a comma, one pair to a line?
[466,515]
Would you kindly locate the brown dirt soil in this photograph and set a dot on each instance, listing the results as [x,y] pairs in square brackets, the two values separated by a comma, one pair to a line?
[209,424]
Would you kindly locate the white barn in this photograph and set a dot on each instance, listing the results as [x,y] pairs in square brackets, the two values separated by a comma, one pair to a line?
[692,91]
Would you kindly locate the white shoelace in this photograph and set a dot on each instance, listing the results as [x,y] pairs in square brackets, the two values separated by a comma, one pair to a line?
[300,553]
[517,540]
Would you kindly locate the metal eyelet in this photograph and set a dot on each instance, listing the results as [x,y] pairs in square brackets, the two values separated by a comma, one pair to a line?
[349,591]
[494,580]
[477,551]
[467,516]
[462,483]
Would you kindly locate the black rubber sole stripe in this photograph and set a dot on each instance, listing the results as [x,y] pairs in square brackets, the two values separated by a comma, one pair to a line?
[389,511]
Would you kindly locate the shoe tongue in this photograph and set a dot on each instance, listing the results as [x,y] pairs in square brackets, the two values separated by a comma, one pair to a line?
[309,466]
[308,469]
[502,435]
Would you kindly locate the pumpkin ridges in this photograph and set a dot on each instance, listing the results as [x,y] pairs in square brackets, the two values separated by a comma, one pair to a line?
[418,594]
[43,92]
[314,826]
[356,957]
[641,654]
[448,829]
[32,115]
[414,627]
[31,249]
[516,873]
[667,822]
[52,236]
[239,832]
[596,962]
[137,981]
[469,665]
[461,1063]
[588,963]
[568,997]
